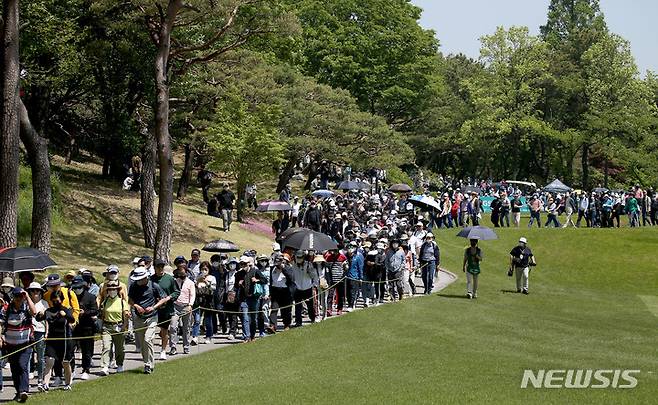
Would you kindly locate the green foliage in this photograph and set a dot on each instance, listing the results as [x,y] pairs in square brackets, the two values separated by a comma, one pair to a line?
[375,49]
[311,118]
[245,143]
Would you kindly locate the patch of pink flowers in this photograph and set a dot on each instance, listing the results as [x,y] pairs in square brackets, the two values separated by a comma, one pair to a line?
[254,225]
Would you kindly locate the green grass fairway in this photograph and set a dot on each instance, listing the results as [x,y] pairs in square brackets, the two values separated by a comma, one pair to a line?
[590,307]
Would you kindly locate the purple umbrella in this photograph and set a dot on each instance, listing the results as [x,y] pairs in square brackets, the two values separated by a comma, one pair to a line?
[272,206]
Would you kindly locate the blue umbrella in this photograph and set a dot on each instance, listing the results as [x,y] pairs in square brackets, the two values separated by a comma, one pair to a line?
[322,193]
[477,232]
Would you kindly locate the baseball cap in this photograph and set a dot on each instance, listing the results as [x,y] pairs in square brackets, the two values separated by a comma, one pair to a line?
[17,291]
[112,268]
[136,260]
[276,247]
[147,259]
[78,282]
[523,240]
[52,280]
[159,263]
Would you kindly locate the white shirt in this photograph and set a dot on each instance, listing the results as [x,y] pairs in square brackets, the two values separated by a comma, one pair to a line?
[278,278]
[40,306]
[295,209]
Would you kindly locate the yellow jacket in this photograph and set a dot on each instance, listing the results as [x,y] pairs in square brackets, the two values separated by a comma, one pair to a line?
[70,301]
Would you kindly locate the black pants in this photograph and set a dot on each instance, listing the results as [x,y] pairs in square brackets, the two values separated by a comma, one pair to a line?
[353,288]
[204,189]
[87,350]
[232,318]
[280,298]
[380,287]
[581,214]
[301,297]
[337,291]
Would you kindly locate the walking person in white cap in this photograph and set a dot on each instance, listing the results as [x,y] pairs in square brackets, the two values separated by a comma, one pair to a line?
[521,259]
[145,297]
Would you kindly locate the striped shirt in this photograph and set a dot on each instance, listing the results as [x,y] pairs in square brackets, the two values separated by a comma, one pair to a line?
[17,324]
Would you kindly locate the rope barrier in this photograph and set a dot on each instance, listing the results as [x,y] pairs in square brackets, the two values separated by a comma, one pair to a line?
[185,313]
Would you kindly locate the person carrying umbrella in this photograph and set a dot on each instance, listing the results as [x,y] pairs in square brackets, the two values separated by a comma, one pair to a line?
[471,266]
[521,259]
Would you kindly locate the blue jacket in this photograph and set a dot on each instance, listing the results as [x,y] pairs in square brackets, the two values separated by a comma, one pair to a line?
[356,267]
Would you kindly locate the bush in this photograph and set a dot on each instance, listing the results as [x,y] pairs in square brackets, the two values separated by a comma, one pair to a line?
[24,227]
[397,176]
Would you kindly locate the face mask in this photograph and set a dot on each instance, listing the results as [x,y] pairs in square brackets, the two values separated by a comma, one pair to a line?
[112,277]
[112,293]
[78,291]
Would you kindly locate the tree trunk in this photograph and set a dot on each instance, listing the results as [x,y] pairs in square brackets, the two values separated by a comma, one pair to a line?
[165,159]
[185,178]
[37,153]
[286,174]
[605,174]
[585,166]
[105,172]
[312,172]
[9,126]
[147,188]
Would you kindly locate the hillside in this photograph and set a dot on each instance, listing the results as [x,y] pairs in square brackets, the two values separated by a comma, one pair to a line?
[102,223]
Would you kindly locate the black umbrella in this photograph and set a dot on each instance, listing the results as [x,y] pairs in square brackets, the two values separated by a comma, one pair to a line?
[306,239]
[290,231]
[221,246]
[472,189]
[14,260]
[478,232]
[400,188]
[600,190]
[350,185]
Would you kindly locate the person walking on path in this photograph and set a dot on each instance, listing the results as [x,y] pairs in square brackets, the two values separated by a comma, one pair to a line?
[471,266]
[168,285]
[226,199]
[516,209]
[521,259]
[16,322]
[86,326]
[430,257]
[60,349]
[145,298]
[569,208]
[182,311]
[114,313]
